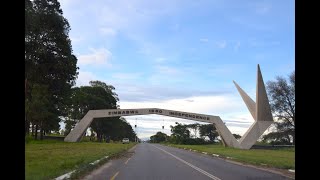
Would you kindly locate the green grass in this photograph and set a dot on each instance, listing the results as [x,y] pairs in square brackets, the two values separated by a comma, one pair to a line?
[48,159]
[281,158]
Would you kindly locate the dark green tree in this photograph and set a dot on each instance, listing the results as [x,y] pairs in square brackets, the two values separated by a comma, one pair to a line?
[237,136]
[282,100]
[48,58]
[194,127]
[39,111]
[98,95]
[208,130]
[158,137]
[180,133]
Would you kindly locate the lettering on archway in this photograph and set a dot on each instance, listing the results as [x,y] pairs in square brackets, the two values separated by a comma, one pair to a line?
[260,112]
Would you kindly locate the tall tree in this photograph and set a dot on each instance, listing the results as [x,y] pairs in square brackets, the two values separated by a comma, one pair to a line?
[180,133]
[208,130]
[194,127]
[282,100]
[48,56]
[98,95]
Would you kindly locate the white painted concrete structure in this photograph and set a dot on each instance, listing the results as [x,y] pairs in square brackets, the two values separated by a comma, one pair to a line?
[260,111]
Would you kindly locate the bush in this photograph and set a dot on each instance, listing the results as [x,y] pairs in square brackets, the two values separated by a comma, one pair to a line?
[28,138]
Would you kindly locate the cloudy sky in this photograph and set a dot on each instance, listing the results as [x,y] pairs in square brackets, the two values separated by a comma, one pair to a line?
[182,54]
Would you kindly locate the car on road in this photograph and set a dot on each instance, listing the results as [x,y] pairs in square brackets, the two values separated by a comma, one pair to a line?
[125,140]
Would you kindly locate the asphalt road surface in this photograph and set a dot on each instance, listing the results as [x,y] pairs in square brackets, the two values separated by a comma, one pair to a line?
[153,161]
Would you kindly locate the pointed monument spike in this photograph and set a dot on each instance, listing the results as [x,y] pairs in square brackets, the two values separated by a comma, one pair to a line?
[262,102]
[251,105]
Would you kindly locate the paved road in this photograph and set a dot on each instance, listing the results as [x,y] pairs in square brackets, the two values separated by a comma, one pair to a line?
[154,161]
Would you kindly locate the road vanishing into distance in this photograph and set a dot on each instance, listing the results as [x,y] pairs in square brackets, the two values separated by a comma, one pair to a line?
[158,162]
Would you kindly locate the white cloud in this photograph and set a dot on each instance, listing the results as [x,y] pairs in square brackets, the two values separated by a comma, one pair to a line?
[108,31]
[126,76]
[84,78]
[98,57]
[204,40]
[221,44]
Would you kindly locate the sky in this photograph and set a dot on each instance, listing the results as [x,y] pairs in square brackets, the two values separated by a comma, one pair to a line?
[182,54]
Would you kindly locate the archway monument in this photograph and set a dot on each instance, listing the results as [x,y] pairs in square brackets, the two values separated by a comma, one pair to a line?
[260,111]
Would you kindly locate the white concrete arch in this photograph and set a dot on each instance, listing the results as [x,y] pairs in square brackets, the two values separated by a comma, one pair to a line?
[260,111]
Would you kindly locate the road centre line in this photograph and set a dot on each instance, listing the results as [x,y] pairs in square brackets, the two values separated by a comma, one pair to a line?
[114,176]
[194,167]
[127,161]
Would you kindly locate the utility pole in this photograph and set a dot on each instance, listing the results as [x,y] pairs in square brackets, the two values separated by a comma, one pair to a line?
[135,128]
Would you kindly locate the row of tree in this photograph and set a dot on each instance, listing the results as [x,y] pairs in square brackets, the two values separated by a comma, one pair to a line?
[50,65]
[187,134]
[50,74]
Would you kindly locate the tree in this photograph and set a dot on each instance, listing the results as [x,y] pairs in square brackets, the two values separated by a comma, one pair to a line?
[38,110]
[98,96]
[237,136]
[180,133]
[208,130]
[48,59]
[158,137]
[194,127]
[282,101]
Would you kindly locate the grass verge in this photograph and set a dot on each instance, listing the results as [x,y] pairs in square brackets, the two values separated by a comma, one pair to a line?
[49,159]
[280,158]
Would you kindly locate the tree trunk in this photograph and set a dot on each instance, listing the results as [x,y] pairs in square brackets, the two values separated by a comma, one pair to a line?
[26,126]
[293,140]
[36,132]
[41,133]
[32,129]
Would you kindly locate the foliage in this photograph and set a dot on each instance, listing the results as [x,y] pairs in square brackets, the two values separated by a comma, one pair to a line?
[209,130]
[158,137]
[49,64]
[194,127]
[282,101]
[179,132]
[98,96]
[237,136]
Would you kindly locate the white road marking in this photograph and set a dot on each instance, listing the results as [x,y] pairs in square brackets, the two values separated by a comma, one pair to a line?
[127,161]
[114,176]
[194,167]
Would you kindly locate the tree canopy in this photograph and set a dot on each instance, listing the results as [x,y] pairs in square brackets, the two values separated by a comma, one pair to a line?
[98,95]
[49,64]
[158,137]
[282,101]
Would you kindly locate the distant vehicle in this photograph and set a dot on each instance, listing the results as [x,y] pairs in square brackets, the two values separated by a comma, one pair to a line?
[125,140]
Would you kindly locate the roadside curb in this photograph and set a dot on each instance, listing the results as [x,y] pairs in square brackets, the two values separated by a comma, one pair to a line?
[91,165]
[68,175]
